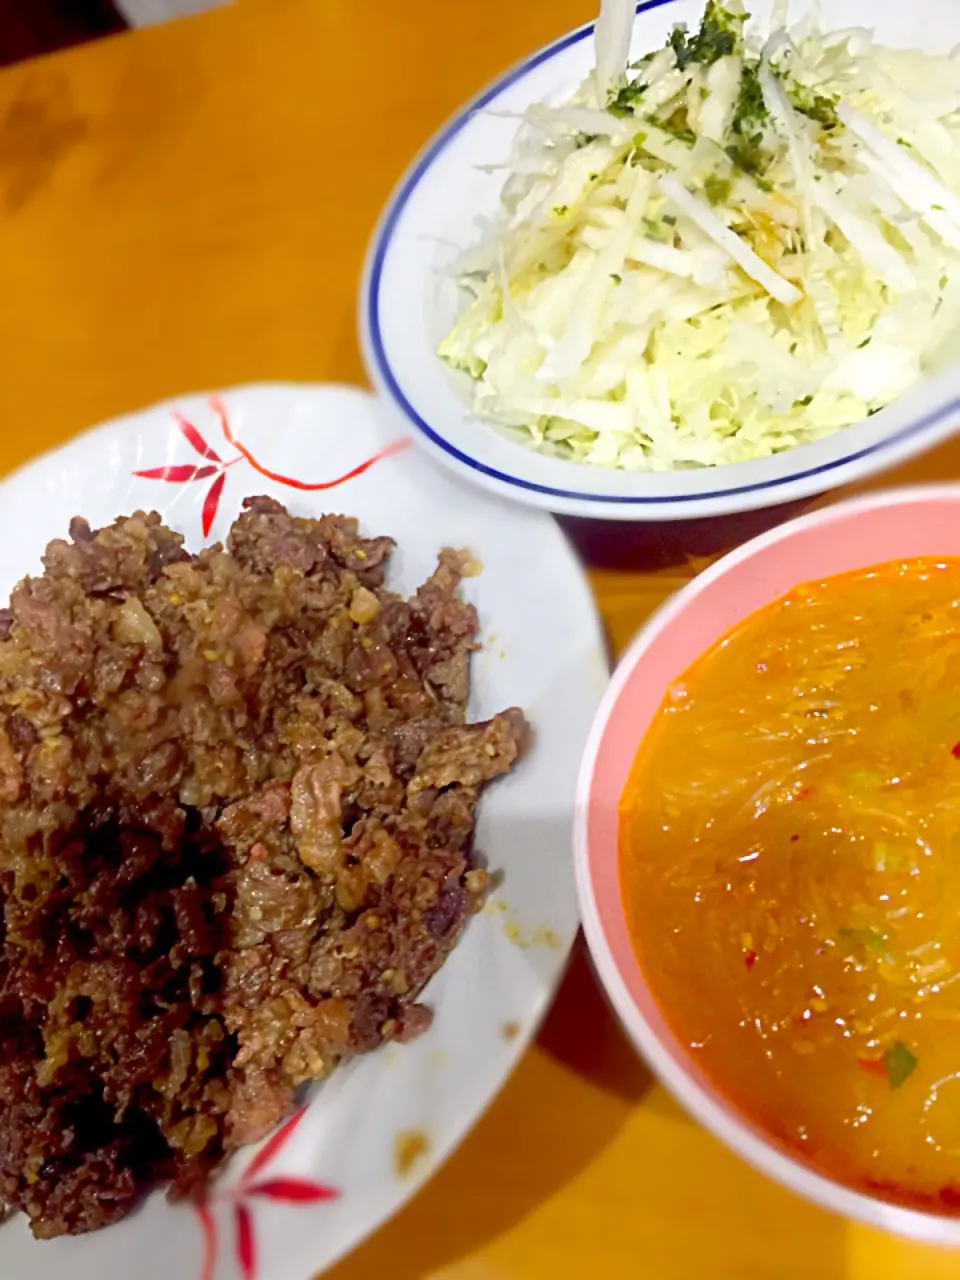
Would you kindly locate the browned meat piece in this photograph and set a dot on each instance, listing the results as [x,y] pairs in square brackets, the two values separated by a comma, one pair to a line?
[260,819]
[237,802]
[258,1100]
[471,754]
[266,536]
[316,810]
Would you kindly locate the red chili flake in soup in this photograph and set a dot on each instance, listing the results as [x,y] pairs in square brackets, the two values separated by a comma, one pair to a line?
[812,738]
[873,1066]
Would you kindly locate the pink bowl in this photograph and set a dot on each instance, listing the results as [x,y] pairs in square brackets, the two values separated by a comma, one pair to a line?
[896,524]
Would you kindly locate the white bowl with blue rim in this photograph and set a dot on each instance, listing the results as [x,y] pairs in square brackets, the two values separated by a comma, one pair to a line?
[409,301]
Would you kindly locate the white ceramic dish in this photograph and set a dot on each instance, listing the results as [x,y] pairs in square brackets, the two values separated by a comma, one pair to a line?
[408,303]
[335,1175]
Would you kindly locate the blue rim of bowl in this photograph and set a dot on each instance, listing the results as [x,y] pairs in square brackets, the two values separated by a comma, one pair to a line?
[381,247]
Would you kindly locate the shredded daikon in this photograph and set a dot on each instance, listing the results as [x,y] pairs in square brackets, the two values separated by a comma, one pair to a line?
[739,244]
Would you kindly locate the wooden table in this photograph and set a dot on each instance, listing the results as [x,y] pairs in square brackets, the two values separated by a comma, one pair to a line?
[187,207]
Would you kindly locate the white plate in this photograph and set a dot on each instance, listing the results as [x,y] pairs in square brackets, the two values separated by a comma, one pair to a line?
[408,303]
[543,651]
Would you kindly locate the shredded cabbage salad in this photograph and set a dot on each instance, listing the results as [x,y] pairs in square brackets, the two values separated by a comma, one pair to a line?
[732,247]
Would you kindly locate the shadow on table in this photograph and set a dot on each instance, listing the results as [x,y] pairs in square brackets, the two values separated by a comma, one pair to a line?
[582,1033]
[643,548]
[517,1142]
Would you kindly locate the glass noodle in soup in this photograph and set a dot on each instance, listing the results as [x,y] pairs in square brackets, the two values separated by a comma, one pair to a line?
[790,867]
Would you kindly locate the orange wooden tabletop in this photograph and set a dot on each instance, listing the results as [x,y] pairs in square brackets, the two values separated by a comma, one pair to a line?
[187,207]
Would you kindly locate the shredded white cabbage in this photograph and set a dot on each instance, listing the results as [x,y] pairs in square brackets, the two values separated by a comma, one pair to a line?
[732,247]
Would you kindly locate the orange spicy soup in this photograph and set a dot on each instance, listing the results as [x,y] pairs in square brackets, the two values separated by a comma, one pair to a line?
[790,867]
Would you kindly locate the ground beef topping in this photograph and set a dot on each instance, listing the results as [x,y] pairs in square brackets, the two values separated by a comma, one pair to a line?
[237,805]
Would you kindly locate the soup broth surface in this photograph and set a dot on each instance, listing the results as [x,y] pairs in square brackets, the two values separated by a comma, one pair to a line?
[790,867]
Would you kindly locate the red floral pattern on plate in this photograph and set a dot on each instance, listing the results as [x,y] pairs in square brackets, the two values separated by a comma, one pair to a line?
[217,468]
[283,1188]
